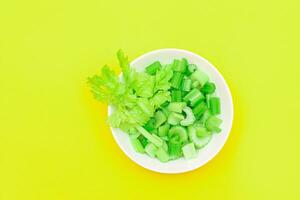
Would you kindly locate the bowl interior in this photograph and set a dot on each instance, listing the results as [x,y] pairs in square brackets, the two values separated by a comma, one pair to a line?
[208,152]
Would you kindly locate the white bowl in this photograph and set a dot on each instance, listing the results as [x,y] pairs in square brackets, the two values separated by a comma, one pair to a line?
[208,152]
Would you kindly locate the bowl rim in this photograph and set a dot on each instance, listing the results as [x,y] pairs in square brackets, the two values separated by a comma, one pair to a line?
[141,57]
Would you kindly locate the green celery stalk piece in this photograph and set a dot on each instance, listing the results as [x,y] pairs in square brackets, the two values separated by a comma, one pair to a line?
[176,80]
[187,84]
[162,154]
[160,118]
[143,140]
[199,142]
[151,149]
[178,132]
[175,118]
[137,145]
[163,130]
[151,137]
[175,149]
[199,76]
[176,107]
[189,151]
[153,68]
[189,119]
[215,105]
[213,124]
[208,88]
[199,109]
[176,96]
[150,125]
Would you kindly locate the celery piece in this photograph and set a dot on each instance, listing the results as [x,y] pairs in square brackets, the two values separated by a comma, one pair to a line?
[165,110]
[208,88]
[160,118]
[213,123]
[153,68]
[176,106]
[163,130]
[199,76]
[214,103]
[151,149]
[194,97]
[195,84]
[137,145]
[179,133]
[189,151]
[191,68]
[189,119]
[199,142]
[176,96]
[175,118]
[175,64]
[199,109]
[162,154]
[165,138]
[204,117]
[165,146]
[152,138]
[175,149]
[187,84]
[180,65]
[150,125]
[143,140]
[201,131]
[176,80]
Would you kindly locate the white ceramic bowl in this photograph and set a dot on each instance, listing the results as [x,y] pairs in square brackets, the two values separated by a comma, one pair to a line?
[208,152]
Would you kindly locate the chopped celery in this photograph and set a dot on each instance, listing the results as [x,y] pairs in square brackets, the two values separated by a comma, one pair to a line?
[165,146]
[204,117]
[179,132]
[165,138]
[176,106]
[187,84]
[180,65]
[176,96]
[137,145]
[194,97]
[152,138]
[191,68]
[176,80]
[189,151]
[195,84]
[168,111]
[199,109]
[214,104]
[162,154]
[153,68]
[160,98]
[143,140]
[175,149]
[150,125]
[213,124]
[198,142]
[199,76]
[160,118]
[208,88]
[151,149]
[201,131]
[175,118]
[165,110]
[189,119]
[175,64]
[163,130]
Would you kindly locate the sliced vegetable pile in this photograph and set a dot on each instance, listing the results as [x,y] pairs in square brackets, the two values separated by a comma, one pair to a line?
[169,111]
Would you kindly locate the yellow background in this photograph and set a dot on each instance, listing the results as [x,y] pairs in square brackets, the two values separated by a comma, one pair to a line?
[54,142]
